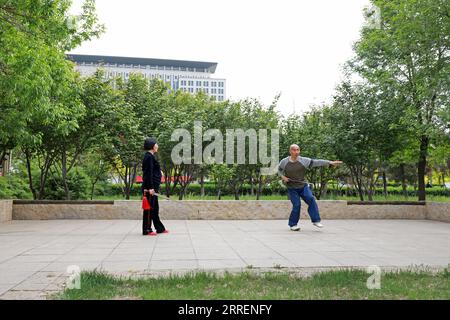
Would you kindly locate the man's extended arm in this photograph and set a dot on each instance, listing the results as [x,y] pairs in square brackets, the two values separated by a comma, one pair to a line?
[319,163]
[313,163]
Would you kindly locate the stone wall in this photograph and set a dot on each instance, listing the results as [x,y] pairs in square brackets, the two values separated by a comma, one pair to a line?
[439,211]
[6,208]
[226,209]
[386,210]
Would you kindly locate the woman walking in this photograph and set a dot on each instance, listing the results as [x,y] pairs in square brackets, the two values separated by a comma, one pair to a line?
[150,185]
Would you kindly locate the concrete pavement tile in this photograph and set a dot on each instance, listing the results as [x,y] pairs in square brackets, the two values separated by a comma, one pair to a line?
[129,266]
[190,264]
[221,263]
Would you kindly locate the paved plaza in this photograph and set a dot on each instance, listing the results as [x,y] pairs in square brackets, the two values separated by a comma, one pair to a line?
[35,255]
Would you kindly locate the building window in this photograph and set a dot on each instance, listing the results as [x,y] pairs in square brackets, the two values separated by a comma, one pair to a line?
[213,84]
[220,84]
[199,83]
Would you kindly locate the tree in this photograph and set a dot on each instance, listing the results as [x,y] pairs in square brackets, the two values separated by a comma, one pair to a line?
[409,53]
[126,139]
[96,167]
[93,130]
[221,174]
[360,128]
[34,35]
[48,128]
[38,91]
[314,132]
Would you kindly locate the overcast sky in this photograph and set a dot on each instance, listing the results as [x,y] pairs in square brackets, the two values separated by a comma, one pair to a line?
[262,47]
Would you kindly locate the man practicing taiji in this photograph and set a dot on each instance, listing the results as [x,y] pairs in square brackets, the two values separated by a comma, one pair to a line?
[292,170]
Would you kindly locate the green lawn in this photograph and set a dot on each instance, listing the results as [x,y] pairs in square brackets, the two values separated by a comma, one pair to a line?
[340,284]
[280,197]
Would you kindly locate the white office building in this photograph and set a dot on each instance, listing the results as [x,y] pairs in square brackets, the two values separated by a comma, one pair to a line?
[189,76]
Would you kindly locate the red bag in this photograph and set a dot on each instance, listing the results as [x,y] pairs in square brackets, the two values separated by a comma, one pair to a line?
[145,203]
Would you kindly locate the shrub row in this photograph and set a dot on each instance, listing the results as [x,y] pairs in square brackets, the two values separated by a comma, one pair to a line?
[14,186]
[211,190]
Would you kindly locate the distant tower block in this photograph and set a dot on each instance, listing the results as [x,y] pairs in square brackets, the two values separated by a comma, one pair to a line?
[189,76]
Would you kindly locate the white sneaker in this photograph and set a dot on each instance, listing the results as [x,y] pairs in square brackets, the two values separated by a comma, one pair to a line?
[318,224]
[295,228]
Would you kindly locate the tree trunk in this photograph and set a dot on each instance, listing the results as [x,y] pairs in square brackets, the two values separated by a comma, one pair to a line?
[93,183]
[92,190]
[64,174]
[370,190]
[421,167]
[202,184]
[402,172]
[30,178]
[259,190]
[43,177]
[3,155]
[356,177]
[183,188]
[132,179]
[127,188]
[384,184]
[323,189]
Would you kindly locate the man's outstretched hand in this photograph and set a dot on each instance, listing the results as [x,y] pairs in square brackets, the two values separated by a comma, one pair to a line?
[335,163]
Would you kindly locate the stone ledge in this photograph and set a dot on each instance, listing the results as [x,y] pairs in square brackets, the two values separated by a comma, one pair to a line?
[225,210]
[6,209]
[438,211]
[395,203]
[77,202]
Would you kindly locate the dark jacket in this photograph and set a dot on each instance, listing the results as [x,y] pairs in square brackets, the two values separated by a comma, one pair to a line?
[151,172]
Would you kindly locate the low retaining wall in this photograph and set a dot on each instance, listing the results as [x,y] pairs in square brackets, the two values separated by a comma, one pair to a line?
[439,211]
[6,208]
[227,210]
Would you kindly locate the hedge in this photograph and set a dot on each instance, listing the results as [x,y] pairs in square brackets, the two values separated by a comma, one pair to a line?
[16,187]
[211,190]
